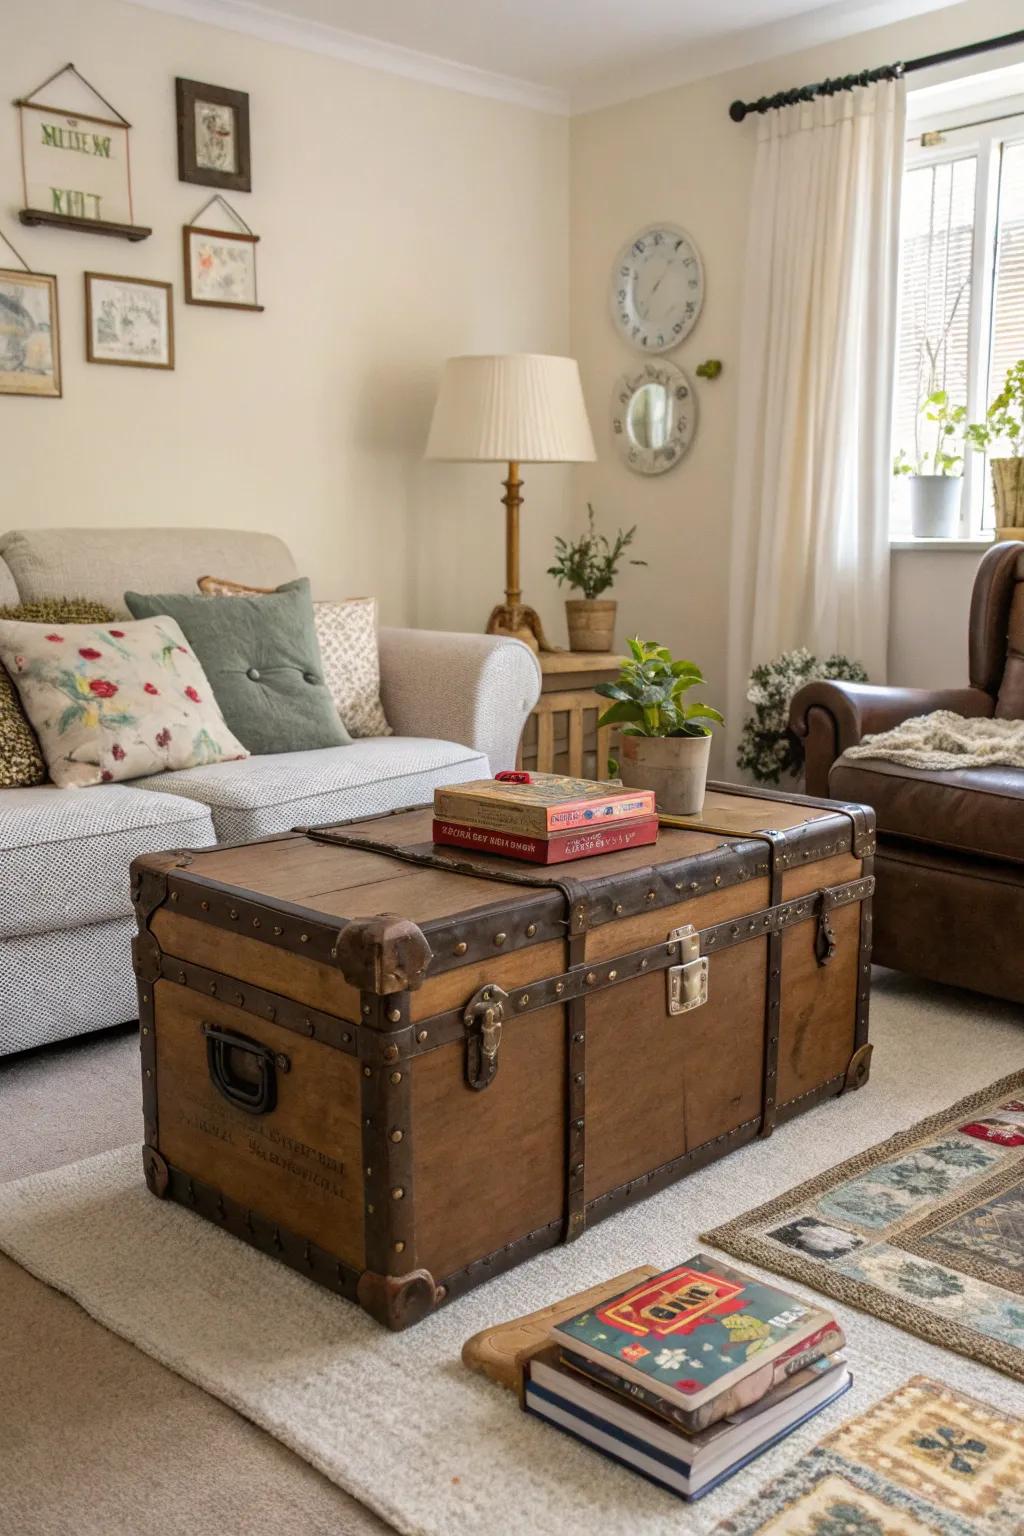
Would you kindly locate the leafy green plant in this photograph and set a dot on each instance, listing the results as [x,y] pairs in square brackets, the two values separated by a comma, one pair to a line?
[1004,419]
[647,699]
[590,564]
[944,459]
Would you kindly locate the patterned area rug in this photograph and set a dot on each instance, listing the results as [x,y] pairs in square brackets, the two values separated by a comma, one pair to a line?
[925,1230]
[925,1461]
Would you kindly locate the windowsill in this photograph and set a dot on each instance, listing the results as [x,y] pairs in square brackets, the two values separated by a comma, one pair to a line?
[959,546]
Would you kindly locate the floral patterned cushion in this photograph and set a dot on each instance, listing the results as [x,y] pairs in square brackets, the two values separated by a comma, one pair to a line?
[21,762]
[347,635]
[111,702]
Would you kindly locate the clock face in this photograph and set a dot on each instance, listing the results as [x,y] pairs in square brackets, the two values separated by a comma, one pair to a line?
[657,288]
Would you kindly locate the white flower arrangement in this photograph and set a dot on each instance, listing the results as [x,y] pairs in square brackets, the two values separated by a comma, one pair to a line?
[768,748]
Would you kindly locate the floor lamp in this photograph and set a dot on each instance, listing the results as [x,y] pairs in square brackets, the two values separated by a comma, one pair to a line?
[523,408]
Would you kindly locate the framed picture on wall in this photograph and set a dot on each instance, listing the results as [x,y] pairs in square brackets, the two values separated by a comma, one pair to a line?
[220,268]
[29,335]
[213,136]
[128,321]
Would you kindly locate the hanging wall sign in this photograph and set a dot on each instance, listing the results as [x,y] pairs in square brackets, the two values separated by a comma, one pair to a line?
[76,170]
[220,264]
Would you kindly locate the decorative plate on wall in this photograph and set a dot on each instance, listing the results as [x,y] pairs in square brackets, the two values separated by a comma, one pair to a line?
[657,288]
[654,416]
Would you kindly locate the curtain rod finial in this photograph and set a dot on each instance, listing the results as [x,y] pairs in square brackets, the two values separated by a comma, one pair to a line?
[738,111]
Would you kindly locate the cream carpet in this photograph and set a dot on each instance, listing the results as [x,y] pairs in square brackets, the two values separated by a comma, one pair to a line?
[396,1420]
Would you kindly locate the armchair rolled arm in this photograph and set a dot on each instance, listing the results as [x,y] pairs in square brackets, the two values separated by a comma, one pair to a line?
[831,716]
[474,689]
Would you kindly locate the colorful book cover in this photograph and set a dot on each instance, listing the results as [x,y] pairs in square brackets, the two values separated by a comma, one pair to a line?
[672,1413]
[703,1336]
[550,803]
[560,849]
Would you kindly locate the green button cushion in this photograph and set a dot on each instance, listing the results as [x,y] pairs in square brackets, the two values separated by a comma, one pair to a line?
[259,654]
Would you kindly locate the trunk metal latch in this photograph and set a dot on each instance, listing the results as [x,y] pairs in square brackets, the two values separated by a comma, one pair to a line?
[688,981]
[483,1017]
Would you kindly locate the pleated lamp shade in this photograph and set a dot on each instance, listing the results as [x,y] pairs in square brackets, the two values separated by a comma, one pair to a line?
[523,407]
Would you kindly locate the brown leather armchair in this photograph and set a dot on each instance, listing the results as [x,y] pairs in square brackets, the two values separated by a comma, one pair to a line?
[950,865]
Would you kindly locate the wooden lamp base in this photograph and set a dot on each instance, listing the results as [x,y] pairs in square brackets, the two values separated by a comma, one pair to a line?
[514,617]
[521,623]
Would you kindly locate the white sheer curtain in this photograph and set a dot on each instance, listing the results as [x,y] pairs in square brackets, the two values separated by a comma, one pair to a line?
[810,555]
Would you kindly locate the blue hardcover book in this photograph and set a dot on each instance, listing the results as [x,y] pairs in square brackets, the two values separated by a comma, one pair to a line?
[688,1466]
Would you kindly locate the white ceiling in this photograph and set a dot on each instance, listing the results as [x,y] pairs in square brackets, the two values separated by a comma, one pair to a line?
[561,54]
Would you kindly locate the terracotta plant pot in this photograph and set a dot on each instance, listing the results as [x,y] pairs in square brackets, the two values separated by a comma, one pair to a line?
[591,622]
[1008,496]
[935,506]
[675,767]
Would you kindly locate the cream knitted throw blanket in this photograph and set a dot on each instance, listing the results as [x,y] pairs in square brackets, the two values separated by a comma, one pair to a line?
[943,741]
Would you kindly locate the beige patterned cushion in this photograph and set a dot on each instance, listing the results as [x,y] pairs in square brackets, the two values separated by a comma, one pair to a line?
[347,632]
[21,762]
[111,702]
[348,648]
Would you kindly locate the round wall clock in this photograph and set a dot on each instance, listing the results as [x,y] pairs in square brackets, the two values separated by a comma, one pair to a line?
[657,288]
[654,416]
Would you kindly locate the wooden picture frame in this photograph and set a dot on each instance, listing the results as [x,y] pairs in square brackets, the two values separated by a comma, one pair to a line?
[212,267]
[213,136]
[29,335]
[122,328]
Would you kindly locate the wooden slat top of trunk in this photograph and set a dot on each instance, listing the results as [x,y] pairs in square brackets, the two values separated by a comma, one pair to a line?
[345,882]
[353,882]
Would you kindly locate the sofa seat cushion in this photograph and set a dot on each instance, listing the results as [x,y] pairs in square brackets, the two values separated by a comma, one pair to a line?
[970,810]
[65,852]
[266,795]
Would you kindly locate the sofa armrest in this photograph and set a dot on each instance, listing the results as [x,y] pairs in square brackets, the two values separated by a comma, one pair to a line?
[830,716]
[474,689]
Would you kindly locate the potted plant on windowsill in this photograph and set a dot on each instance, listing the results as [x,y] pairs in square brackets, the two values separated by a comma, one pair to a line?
[1004,424]
[590,565]
[664,741]
[936,480]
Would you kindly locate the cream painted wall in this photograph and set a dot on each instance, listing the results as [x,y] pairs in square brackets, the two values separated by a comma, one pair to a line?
[678,156]
[400,223]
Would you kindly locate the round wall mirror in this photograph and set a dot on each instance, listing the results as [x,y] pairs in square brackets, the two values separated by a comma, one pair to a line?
[654,416]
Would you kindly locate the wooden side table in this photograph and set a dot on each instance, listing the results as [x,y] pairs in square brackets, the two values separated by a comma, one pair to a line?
[561,735]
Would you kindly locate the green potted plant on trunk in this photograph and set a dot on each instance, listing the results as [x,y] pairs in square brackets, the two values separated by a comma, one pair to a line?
[1004,425]
[665,742]
[590,565]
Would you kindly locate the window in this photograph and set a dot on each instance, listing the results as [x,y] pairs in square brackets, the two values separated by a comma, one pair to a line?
[961,308]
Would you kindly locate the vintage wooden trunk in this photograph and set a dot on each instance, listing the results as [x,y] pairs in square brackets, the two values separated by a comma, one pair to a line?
[401,1106]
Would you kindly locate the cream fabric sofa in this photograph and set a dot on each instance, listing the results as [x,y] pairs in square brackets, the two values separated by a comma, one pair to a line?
[457,704]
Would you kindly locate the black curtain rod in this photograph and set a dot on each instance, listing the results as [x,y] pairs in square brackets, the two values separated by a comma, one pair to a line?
[739,109]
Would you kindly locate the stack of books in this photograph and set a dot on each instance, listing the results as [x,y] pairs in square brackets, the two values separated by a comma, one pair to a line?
[544,818]
[688,1376]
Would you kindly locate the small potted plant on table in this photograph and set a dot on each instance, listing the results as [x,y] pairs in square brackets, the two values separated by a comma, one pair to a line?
[590,565]
[1004,424]
[665,742]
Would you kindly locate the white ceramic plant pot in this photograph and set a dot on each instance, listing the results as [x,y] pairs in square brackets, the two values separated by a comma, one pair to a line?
[935,506]
[675,767]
